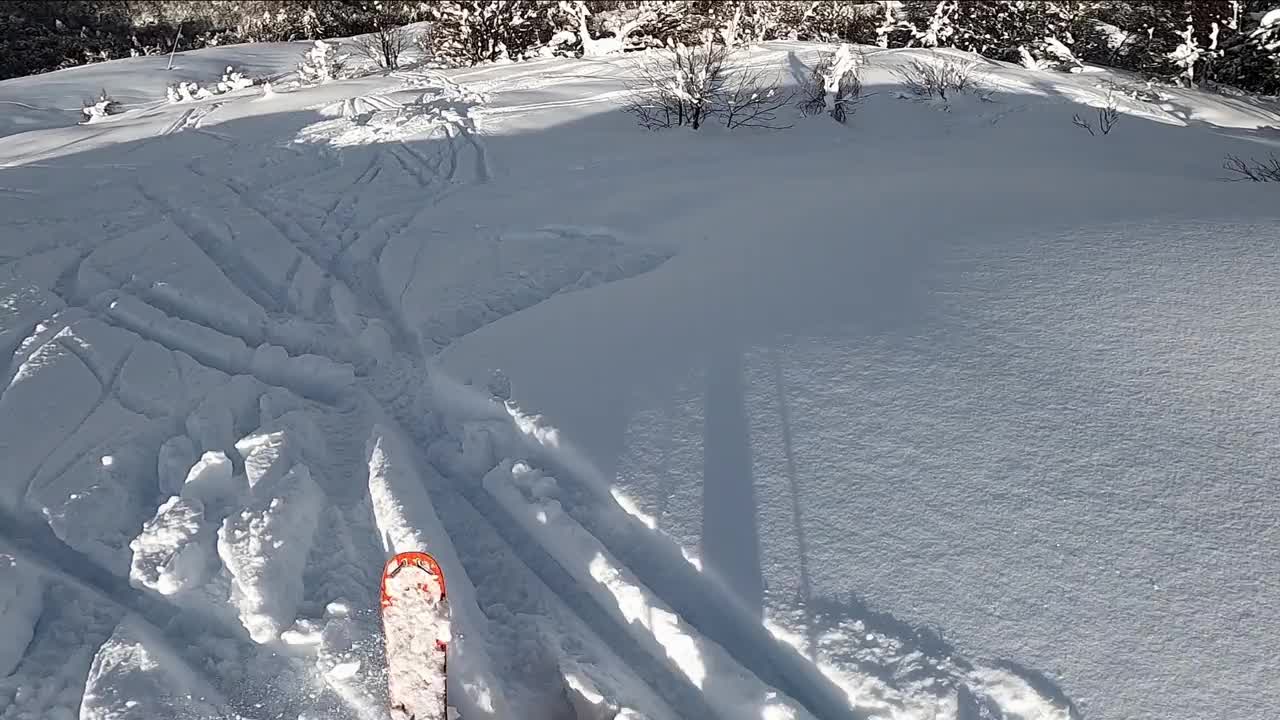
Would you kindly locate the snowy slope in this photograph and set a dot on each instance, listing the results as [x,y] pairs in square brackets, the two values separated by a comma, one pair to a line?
[952,412]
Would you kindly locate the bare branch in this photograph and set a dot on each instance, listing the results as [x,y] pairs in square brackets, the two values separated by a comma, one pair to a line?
[383,46]
[939,79]
[689,85]
[1108,115]
[1253,170]
[752,98]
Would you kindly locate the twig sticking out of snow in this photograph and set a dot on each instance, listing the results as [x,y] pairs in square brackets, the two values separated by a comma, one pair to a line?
[1108,116]
[1253,170]
[941,79]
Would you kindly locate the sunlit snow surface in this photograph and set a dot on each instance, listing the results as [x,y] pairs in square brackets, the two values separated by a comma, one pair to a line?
[952,412]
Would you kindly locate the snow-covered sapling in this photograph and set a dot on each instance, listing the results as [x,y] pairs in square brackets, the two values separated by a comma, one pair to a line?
[835,74]
[813,87]
[843,81]
[321,63]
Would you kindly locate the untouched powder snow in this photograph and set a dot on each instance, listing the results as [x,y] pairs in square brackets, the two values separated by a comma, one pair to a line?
[952,412]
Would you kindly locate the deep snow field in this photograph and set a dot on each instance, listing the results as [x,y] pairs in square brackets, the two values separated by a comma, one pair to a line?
[954,411]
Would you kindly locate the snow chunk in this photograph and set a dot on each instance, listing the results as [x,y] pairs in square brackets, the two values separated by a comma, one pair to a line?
[265,550]
[266,458]
[210,481]
[136,676]
[304,633]
[170,554]
[21,601]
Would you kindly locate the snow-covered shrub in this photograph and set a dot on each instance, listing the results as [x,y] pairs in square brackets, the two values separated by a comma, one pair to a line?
[609,30]
[383,46]
[321,63]
[847,95]
[1049,54]
[1253,170]
[829,22]
[1107,116]
[940,78]
[836,74]
[813,86]
[474,31]
[186,91]
[687,85]
[233,79]
[678,87]
[100,107]
[1009,30]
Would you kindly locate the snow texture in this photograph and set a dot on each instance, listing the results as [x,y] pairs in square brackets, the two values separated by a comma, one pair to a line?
[20,604]
[949,412]
[135,676]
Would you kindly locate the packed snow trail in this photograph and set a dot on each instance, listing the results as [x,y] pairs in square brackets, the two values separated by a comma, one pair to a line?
[812,402]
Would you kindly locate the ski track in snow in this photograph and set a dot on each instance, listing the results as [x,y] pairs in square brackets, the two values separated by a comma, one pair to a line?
[251,326]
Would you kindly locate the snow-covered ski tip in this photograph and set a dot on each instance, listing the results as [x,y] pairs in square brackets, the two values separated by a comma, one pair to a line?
[415,620]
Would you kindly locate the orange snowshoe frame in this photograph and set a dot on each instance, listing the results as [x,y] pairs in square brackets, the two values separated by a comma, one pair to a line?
[428,563]
[417,559]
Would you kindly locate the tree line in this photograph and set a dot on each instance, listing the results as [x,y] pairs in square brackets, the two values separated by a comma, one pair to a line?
[1192,42]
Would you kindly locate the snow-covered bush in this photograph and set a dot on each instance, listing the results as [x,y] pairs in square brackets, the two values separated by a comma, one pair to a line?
[940,78]
[233,79]
[100,107]
[1049,54]
[619,22]
[186,91]
[813,86]
[828,21]
[321,63]
[688,85]
[1253,170]
[474,31]
[678,87]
